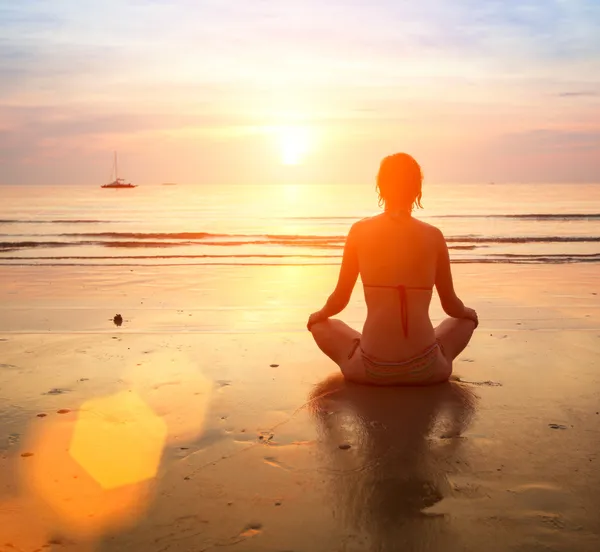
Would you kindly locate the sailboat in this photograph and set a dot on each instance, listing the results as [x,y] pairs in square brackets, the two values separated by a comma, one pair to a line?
[117,182]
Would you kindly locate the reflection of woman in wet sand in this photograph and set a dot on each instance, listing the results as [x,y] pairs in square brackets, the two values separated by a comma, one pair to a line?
[399,259]
[402,451]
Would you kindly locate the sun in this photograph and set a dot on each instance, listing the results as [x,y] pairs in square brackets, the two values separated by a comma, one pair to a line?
[295,143]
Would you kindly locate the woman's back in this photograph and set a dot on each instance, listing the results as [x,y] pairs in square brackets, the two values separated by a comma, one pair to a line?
[397,261]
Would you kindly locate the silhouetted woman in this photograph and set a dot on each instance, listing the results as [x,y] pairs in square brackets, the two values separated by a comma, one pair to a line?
[399,259]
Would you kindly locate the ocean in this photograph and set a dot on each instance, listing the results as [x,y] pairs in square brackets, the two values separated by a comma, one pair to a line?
[287,224]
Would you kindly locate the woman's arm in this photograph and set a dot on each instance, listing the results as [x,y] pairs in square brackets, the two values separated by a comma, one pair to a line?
[451,304]
[347,279]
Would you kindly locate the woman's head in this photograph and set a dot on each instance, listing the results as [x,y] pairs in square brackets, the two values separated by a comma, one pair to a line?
[399,182]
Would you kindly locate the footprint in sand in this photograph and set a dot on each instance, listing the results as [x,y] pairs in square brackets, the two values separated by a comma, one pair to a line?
[251,530]
[487,383]
[56,391]
[272,461]
[164,384]
[244,437]
[265,437]
[58,541]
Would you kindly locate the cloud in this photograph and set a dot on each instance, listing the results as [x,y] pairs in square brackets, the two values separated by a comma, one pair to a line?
[579,94]
[543,140]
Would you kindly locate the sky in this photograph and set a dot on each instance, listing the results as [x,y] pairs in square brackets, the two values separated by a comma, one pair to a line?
[315,91]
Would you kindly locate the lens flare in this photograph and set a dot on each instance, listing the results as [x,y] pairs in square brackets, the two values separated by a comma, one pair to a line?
[67,493]
[118,440]
[176,390]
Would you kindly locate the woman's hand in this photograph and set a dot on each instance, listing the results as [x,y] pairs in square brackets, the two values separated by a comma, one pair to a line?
[470,314]
[314,318]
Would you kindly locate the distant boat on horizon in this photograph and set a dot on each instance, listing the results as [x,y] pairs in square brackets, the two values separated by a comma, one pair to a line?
[117,182]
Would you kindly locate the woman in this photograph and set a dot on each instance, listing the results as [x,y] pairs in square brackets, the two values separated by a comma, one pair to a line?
[399,259]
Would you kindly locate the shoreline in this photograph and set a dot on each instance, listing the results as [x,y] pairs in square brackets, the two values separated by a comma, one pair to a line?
[271,298]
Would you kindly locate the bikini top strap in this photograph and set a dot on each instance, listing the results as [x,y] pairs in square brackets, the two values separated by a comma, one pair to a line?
[401,289]
[403,307]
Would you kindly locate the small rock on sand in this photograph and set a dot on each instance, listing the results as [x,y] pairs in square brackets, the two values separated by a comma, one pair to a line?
[57,391]
[557,426]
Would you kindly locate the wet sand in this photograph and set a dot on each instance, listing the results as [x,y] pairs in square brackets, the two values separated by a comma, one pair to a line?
[209,420]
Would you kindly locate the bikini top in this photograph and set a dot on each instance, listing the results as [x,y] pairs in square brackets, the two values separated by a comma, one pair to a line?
[401,289]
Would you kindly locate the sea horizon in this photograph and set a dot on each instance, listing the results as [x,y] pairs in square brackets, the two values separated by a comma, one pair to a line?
[288,224]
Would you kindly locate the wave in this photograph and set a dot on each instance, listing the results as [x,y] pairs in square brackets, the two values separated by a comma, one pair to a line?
[57,221]
[31,244]
[201,236]
[523,239]
[558,258]
[318,239]
[530,216]
[207,256]
[295,260]
[522,216]
[185,239]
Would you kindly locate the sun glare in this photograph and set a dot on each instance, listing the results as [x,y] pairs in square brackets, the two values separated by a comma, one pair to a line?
[294,142]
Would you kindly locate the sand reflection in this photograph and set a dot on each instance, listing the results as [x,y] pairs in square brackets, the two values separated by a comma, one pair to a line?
[389,452]
[175,388]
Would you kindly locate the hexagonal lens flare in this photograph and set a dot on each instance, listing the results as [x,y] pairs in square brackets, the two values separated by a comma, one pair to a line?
[118,440]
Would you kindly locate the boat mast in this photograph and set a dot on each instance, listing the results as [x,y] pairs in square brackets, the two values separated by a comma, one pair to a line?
[116,168]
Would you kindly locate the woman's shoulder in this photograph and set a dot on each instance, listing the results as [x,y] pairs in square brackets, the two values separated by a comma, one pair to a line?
[377,223]
[365,225]
[430,232]
[427,227]
[367,221]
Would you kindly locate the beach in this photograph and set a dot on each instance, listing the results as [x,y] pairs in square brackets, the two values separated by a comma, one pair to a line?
[184,185]
[209,420]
